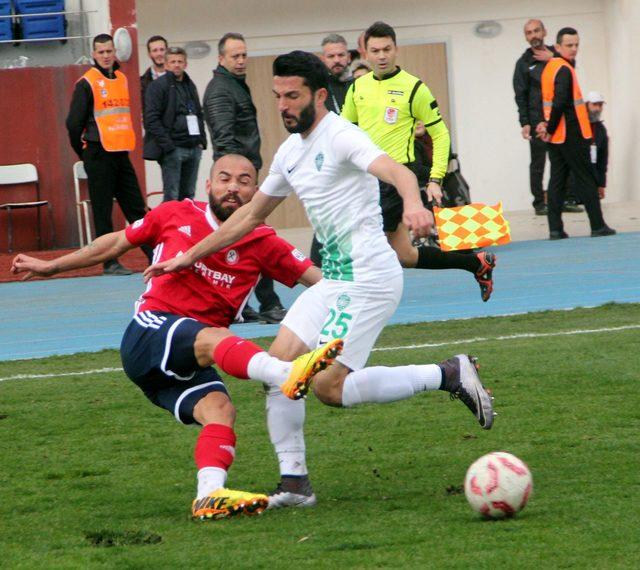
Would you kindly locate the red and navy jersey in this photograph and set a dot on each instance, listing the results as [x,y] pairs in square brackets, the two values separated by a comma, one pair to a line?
[216,288]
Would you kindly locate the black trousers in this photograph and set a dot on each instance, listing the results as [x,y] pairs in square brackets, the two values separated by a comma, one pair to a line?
[536,170]
[572,156]
[111,175]
[266,294]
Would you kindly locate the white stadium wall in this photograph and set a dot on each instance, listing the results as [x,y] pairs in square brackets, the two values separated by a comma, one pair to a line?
[484,117]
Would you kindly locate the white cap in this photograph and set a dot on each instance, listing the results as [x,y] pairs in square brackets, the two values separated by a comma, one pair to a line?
[594,97]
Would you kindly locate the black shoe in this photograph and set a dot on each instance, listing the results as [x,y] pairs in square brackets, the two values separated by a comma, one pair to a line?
[114,268]
[250,315]
[559,235]
[603,231]
[462,381]
[541,210]
[274,315]
[572,207]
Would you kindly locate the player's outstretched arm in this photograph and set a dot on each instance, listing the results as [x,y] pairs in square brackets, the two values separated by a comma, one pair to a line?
[310,277]
[239,224]
[415,216]
[108,246]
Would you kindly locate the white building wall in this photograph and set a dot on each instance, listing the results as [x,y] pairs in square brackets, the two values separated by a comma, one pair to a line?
[484,117]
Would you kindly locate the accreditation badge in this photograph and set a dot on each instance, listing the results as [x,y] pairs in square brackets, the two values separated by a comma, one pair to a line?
[391,115]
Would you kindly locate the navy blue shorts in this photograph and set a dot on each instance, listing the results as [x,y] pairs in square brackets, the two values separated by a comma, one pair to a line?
[157,354]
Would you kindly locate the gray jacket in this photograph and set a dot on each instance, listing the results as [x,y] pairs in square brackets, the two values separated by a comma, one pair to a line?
[231,116]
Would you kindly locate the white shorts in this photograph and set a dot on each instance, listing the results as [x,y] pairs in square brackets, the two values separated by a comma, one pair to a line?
[355,312]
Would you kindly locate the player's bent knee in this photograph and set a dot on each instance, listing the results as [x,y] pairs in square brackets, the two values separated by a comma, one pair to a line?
[206,342]
[215,408]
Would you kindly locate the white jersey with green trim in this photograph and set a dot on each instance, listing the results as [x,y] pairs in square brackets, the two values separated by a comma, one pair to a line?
[328,172]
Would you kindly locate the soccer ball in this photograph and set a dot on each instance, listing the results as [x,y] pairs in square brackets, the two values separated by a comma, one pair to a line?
[498,485]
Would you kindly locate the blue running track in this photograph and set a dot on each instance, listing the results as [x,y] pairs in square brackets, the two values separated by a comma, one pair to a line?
[64,316]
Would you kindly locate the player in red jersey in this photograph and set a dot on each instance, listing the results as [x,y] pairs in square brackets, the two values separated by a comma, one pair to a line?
[179,329]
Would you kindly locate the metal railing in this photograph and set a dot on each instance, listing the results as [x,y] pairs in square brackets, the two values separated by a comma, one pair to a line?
[58,38]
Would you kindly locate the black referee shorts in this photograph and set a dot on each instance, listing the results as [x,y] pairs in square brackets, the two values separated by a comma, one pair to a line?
[391,204]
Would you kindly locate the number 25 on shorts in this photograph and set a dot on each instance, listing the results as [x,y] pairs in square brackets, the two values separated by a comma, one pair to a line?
[336,325]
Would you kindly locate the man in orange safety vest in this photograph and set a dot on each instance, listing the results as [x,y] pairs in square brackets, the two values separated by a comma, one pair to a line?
[567,131]
[101,132]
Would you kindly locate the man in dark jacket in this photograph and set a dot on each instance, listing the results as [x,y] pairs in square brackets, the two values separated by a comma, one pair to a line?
[156,49]
[228,108]
[101,132]
[233,125]
[526,84]
[335,55]
[599,152]
[174,127]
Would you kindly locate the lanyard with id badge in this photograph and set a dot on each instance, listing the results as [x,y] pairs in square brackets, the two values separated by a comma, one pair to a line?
[193,126]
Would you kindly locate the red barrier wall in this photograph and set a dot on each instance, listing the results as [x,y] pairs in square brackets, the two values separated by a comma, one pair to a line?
[34,103]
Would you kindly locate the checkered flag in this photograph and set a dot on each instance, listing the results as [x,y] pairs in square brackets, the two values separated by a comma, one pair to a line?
[472,226]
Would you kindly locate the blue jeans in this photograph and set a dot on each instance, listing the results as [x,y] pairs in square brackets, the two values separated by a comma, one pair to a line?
[180,172]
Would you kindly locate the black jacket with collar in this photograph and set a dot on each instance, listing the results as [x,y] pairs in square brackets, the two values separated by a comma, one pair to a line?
[527,88]
[601,140]
[231,116]
[81,123]
[145,80]
[165,120]
[337,93]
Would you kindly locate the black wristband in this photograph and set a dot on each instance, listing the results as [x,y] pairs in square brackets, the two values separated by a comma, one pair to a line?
[438,181]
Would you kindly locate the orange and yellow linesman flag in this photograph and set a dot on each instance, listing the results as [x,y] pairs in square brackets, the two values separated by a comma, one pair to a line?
[471,226]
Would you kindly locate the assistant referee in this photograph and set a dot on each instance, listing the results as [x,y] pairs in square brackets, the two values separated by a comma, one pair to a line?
[387,103]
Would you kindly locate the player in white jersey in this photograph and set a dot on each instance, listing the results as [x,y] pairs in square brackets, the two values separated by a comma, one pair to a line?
[332,166]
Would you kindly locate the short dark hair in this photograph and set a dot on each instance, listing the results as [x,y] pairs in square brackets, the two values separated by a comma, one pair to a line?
[101,39]
[305,65]
[379,30]
[157,39]
[228,36]
[565,32]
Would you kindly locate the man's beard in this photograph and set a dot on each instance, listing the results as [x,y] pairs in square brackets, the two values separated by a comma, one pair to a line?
[594,116]
[536,43]
[223,212]
[306,119]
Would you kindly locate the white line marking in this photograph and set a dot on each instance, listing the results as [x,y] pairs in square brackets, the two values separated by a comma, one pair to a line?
[505,337]
[380,349]
[61,374]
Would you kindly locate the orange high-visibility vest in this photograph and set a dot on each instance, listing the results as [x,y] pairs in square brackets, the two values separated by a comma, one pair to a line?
[548,89]
[111,110]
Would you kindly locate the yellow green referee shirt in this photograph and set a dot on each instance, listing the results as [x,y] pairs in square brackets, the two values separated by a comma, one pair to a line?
[387,110]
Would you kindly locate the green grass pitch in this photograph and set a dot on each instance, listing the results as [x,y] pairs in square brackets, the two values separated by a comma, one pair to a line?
[94,476]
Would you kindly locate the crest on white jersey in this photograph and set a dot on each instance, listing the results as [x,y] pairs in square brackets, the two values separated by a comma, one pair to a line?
[232,257]
[391,115]
[319,160]
[343,302]
[185,230]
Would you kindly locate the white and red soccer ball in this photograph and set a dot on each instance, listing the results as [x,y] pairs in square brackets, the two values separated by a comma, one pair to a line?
[498,485]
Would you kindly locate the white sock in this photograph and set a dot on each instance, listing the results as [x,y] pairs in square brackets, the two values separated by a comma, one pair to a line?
[381,384]
[285,421]
[268,369]
[210,479]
